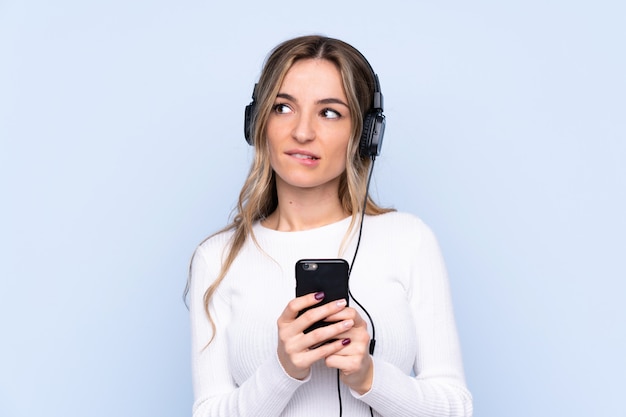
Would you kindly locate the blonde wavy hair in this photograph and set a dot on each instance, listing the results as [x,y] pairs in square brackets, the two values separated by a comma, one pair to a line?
[258,197]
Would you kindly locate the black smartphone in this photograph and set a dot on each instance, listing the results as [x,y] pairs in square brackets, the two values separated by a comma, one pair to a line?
[327,275]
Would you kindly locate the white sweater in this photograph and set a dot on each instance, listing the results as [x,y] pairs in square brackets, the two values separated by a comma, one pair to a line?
[398,276]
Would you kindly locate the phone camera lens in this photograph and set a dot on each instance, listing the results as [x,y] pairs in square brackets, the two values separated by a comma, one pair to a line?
[309,266]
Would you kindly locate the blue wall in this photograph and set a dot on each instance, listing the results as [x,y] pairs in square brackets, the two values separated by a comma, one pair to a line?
[121,147]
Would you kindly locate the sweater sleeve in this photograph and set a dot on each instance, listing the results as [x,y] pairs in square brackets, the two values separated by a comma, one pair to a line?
[438,388]
[265,394]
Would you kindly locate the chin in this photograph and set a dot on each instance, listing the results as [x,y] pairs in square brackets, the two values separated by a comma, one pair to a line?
[309,183]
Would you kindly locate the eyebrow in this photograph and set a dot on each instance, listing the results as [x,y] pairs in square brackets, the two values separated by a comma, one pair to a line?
[330,100]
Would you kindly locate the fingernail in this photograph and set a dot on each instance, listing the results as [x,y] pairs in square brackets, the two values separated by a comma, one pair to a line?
[346,341]
[319,295]
[341,303]
[348,323]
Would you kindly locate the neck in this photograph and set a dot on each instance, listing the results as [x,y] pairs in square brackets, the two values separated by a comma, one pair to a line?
[303,209]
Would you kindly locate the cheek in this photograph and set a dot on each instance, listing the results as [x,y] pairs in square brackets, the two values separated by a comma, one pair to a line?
[344,144]
[340,151]
[272,154]
[341,156]
[271,136]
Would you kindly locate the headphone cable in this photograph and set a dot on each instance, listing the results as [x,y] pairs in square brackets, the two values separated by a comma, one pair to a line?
[356,251]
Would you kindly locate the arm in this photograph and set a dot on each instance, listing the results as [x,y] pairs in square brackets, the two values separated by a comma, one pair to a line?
[438,389]
[266,393]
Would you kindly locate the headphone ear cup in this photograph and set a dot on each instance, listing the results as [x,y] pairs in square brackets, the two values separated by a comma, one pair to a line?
[364,143]
[372,135]
[247,123]
[248,119]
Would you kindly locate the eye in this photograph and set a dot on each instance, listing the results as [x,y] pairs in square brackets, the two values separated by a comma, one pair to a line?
[282,108]
[330,114]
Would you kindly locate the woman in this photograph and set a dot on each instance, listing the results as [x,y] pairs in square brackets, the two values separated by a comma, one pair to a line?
[303,198]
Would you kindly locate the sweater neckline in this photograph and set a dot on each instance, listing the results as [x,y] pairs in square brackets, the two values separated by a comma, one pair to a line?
[338,226]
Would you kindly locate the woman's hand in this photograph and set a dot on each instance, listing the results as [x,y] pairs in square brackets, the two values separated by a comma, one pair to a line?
[349,353]
[353,360]
[294,346]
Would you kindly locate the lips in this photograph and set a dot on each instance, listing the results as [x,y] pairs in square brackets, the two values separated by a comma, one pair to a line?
[300,154]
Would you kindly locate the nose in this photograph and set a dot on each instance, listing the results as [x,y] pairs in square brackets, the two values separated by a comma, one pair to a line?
[304,129]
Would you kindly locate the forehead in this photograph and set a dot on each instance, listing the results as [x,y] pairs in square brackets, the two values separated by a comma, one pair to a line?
[313,76]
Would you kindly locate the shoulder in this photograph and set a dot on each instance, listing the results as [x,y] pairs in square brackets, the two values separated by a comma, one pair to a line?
[397,221]
[212,248]
[207,259]
[401,230]
[205,265]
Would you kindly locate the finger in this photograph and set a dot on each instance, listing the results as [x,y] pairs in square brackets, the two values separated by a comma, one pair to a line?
[297,360]
[359,341]
[320,313]
[330,349]
[323,335]
[346,314]
[298,304]
[353,351]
